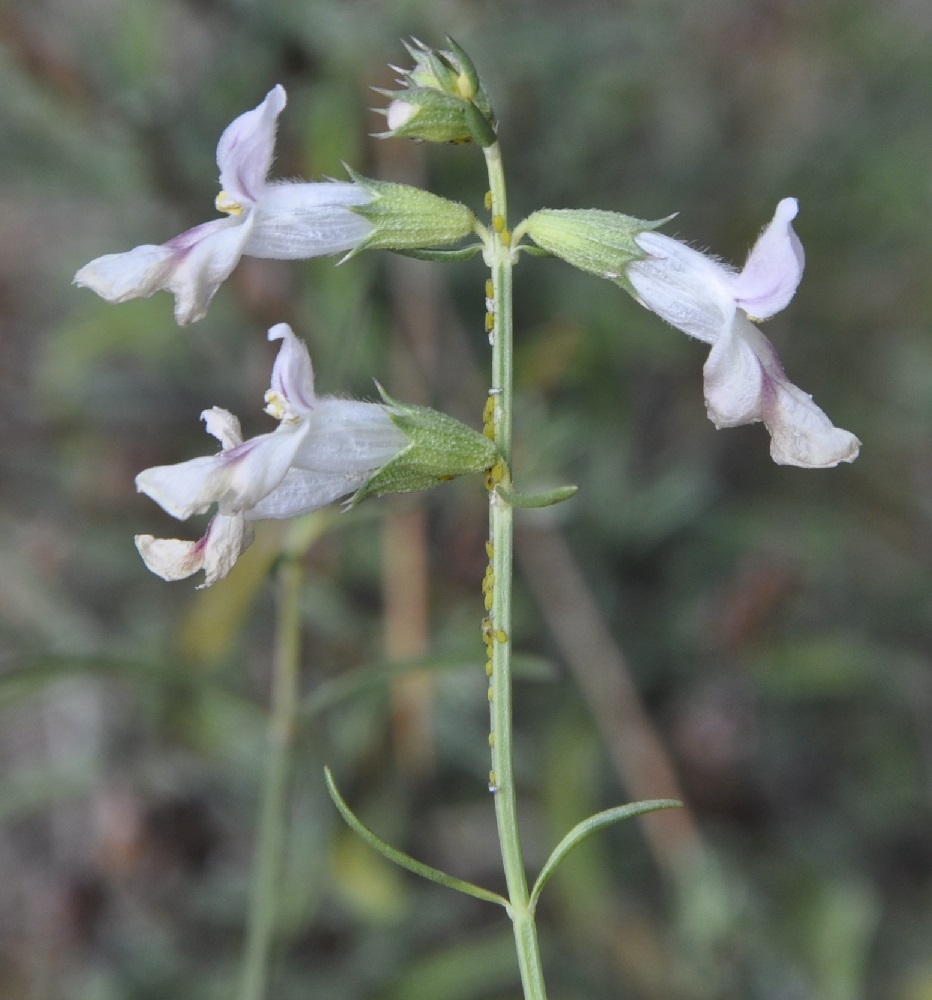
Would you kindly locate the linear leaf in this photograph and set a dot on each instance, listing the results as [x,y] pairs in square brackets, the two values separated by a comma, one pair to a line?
[405,860]
[589,826]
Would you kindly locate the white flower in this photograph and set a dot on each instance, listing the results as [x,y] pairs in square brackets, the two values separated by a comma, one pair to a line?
[281,220]
[322,449]
[744,380]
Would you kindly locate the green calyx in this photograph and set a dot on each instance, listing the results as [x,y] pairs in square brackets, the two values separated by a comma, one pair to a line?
[441,448]
[409,218]
[593,240]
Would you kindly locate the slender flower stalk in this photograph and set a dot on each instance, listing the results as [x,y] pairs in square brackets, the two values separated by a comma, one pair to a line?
[271,837]
[500,258]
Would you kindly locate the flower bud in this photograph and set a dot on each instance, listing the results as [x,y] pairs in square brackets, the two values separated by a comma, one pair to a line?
[442,100]
[409,218]
[602,243]
[441,448]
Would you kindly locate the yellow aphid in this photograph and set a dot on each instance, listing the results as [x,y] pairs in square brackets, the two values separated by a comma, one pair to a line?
[491,739]
[488,201]
[491,694]
[506,237]
[501,636]
[488,668]
[489,547]
[489,289]
[498,223]
[489,322]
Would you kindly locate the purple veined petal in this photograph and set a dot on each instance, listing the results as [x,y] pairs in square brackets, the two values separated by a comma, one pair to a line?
[292,374]
[682,286]
[227,536]
[745,382]
[297,220]
[246,148]
[774,266]
[206,256]
[235,480]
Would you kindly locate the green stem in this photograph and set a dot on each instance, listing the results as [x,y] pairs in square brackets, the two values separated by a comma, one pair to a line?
[499,257]
[270,845]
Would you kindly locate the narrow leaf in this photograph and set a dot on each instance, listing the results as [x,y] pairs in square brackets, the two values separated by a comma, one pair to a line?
[405,860]
[590,826]
[529,500]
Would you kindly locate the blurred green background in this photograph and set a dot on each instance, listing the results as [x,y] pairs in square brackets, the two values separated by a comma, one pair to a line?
[697,618]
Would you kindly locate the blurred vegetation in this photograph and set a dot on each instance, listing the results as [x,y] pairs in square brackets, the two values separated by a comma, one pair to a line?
[771,625]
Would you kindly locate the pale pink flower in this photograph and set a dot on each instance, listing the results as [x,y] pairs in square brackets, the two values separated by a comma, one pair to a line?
[744,380]
[282,220]
[323,449]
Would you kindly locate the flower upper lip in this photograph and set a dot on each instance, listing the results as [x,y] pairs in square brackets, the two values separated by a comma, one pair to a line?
[283,220]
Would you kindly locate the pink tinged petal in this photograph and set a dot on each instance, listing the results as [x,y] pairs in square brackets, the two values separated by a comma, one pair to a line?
[245,150]
[191,266]
[296,221]
[745,382]
[236,479]
[216,553]
[292,373]
[774,266]
[682,286]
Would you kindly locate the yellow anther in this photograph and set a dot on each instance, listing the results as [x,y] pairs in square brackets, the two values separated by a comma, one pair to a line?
[224,203]
[498,223]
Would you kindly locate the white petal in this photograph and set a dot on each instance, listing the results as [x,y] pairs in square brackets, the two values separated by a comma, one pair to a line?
[191,266]
[236,479]
[302,491]
[745,382]
[308,220]
[348,441]
[223,426]
[216,553]
[349,437]
[245,150]
[774,267]
[292,374]
[683,286]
